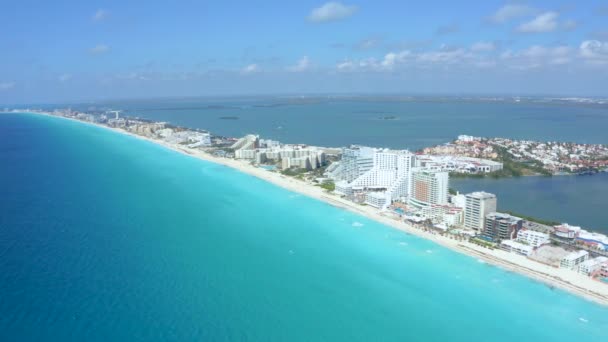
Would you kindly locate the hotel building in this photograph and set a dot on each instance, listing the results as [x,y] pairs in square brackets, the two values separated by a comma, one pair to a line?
[388,174]
[573,259]
[477,206]
[499,226]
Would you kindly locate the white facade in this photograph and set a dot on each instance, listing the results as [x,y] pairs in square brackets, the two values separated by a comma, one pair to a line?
[589,266]
[572,260]
[512,246]
[532,238]
[356,160]
[429,188]
[567,231]
[454,217]
[377,199]
[248,142]
[366,168]
[478,205]
[459,200]
[458,164]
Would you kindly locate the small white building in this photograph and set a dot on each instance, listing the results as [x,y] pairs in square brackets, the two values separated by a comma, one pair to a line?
[532,238]
[377,199]
[573,259]
[512,246]
[567,231]
[589,266]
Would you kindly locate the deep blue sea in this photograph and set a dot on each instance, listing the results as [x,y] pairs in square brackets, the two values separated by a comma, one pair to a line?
[104,237]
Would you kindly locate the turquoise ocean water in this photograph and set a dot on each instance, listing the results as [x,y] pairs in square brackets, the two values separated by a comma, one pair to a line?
[104,237]
[414,123]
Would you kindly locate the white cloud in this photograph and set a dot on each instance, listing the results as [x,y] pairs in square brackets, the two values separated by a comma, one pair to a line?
[302,65]
[331,11]
[100,15]
[7,85]
[444,56]
[481,55]
[511,11]
[99,49]
[483,47]
[250,69]
[64,77]
[594,51]
[537,56]
[545,22]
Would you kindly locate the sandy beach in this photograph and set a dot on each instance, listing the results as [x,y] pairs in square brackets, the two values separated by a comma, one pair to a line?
[559,278]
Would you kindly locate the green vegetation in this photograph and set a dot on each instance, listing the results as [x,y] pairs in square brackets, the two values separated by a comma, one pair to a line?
[515,168]
[483,243]
[452,191]
[534,219]
[294,172]
[329,186]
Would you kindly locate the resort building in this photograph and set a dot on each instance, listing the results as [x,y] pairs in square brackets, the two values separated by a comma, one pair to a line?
[499,226]
[377,199]
[458,164]
[429,187]
[516,247]
[477,206]
[453,217]
[248,142]
[566,231]
[532,238]
[592,240]
[573,259]
[356,161]
[590,266]
[390,172]
[429,193]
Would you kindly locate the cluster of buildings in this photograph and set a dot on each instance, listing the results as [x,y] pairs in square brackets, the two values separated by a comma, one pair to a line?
[557,156]
[459,164]
[416,186]
[464,146]
[145,128]
[419,192]
[262,151]
[374,176]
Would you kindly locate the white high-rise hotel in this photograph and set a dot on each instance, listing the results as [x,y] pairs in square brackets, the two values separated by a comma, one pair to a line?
[382,170]
[478,205]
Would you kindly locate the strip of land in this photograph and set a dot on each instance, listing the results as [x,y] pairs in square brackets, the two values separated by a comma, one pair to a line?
[554,277]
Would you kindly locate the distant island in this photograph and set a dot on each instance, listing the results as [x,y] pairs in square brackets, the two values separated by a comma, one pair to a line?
[388,117]
[228,117]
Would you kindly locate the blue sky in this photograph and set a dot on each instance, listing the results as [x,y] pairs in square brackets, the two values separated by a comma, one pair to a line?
[57,51]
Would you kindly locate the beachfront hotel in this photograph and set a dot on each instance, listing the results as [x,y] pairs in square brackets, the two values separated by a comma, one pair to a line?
[477,206]
[573,259]
[356,161]
[260,151]
[429,192]
[500,226]
[384,180]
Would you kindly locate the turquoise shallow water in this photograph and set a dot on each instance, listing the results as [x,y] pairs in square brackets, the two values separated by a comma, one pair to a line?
[416,123]
[106,237]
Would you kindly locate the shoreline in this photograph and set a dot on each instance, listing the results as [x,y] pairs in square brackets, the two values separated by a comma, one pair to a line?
[566,280]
